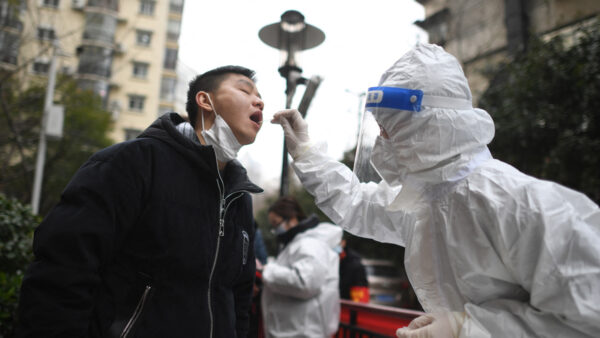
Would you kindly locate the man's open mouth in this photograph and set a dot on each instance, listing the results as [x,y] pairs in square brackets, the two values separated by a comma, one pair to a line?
[257,117]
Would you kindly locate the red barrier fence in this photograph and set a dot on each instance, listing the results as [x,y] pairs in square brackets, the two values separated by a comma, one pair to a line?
[360,320]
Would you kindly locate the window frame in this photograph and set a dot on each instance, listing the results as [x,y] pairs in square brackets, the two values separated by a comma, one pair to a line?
[46,67]
[167,62]
[144,5]
[139,33]
[51,3]
[143,67]
[42,31]
[136,102]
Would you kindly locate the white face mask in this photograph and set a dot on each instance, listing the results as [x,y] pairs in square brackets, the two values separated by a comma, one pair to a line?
[221,138]
[384,162]
[280,229]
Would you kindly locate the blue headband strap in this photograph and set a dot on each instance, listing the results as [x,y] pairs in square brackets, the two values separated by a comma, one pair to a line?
[396,98]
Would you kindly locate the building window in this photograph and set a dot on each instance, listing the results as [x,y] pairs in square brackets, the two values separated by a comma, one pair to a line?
[41,67]
[9,47]
[170,58]
[130,134]
[143,37]
[100,27]
[147,7]
[176,6]
[140,70]
[136,102]
[9,15]
[173,29]
[95,60]
[106,4]
[45,33]
[167,88]
[51,3]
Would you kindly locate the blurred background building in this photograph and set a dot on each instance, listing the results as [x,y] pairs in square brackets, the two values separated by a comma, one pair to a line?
[481,33]
[125,51]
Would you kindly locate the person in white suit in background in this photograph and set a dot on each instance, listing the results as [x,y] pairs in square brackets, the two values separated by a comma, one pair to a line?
[300,296]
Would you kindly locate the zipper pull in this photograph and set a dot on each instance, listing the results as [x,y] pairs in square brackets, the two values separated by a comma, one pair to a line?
[221,227]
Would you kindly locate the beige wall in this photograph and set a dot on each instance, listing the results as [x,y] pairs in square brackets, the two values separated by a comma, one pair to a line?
[476,29]
[127,84]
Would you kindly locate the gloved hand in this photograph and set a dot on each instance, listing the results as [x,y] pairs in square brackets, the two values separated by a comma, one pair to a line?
[295,130]
[434,325]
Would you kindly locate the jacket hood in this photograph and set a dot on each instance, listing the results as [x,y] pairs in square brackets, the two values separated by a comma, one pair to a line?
[437,142]
[327,232]
[165,129]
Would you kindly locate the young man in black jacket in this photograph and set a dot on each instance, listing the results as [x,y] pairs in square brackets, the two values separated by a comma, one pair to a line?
[153,236]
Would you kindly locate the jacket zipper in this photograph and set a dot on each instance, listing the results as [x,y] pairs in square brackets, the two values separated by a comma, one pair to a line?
[221,234]
[222,211]
[136,313]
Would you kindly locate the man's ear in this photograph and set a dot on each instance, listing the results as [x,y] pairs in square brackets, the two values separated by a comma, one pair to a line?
[203,102]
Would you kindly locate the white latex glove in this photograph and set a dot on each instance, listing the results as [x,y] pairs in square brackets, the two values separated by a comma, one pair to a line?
[434,325]
[295,130]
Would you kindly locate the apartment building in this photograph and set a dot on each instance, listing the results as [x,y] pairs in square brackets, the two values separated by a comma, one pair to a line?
[125,51]
[481,33]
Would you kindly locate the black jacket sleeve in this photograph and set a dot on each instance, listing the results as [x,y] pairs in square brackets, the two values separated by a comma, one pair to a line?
[73,243]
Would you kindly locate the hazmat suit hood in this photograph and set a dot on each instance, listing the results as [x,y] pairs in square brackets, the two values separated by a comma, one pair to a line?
[326,232]
[437,143]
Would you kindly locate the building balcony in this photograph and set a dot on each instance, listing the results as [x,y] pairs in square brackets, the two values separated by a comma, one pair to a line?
[112,5]
[11,23]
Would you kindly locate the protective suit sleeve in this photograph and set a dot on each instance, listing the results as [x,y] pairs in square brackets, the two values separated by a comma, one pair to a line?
[360,208]
[305,277]
[548,240]
[74,242]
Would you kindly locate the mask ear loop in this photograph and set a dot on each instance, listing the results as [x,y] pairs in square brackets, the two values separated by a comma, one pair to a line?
[213,107]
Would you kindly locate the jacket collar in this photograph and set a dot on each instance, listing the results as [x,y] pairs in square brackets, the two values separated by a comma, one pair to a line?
[234,175]
[306,224]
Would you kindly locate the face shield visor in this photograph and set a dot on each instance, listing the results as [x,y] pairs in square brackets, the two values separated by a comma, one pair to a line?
[374,158]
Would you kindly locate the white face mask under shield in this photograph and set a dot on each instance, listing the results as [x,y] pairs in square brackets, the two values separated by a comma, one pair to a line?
[221,138]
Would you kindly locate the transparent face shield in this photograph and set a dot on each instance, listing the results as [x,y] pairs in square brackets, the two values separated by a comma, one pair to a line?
[380,101]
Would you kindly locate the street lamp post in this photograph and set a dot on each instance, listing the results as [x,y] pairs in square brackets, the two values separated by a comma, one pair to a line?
[292,35]
[51,126]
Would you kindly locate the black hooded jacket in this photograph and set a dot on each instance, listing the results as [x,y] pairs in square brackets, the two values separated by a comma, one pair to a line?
[148,240]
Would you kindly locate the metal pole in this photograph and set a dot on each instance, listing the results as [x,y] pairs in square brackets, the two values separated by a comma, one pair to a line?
[284,185]
[41,154]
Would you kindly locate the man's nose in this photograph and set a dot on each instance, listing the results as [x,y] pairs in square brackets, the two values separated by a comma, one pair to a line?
[259,103]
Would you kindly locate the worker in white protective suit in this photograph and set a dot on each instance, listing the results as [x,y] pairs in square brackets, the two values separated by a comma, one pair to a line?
[490,251]
[301,296]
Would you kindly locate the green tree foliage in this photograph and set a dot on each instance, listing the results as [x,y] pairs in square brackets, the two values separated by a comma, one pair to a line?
[546,105]
[85,131]
[16,230]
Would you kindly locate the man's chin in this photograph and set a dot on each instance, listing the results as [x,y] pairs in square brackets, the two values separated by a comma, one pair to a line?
[246,139]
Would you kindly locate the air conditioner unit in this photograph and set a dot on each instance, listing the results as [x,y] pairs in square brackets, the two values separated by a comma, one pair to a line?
[119,48]
[78,4]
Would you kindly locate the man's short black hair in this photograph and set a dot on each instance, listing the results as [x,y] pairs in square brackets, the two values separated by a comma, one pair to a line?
[208,82]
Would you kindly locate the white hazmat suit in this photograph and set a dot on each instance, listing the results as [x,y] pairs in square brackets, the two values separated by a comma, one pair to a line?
[300,297]
[508,255]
